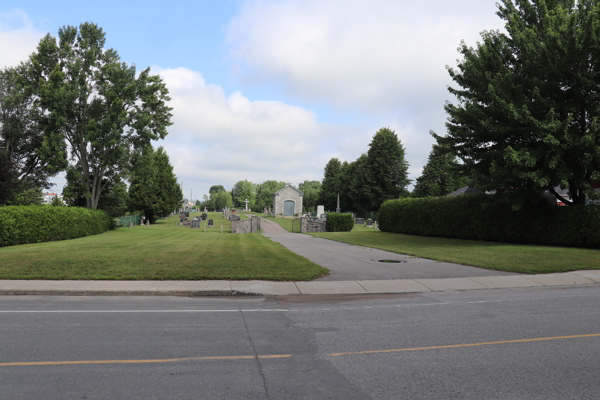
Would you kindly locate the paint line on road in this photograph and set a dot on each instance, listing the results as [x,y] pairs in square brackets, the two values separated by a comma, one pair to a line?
[135,311]
[166,360]
[313,309]
[452,346]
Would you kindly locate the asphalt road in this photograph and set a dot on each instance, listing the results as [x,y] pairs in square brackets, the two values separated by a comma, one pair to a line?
[535,343]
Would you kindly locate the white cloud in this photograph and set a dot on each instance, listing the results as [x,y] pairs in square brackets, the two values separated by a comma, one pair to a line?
[220,139]
[384,60]
[375,56]
[18,38]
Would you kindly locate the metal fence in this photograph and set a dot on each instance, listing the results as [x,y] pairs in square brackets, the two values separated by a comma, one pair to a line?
[129,219]
[297,225]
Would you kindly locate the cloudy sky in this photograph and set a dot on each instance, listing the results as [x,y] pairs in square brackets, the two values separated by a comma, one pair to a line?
[265,89]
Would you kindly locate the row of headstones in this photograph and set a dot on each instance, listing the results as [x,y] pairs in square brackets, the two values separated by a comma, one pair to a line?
[361,221]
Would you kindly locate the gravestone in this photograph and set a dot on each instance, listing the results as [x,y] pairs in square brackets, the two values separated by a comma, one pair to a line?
[181,219]
[369,222]
[187,222]
[320,211]
[147,223]
[210,223]
[204,216]
[195,223]
[359,221]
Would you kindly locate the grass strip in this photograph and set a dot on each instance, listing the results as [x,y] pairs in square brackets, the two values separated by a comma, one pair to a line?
[164,251]
[526,259]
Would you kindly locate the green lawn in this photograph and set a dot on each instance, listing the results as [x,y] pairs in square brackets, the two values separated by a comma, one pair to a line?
[498,256]
[164,251]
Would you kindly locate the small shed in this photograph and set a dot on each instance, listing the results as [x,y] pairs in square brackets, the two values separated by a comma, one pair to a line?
[287,201]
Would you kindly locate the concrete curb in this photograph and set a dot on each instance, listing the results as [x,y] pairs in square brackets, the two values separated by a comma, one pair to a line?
[267,288]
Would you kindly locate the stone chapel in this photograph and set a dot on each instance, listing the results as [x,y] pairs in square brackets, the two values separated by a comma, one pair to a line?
[287,201]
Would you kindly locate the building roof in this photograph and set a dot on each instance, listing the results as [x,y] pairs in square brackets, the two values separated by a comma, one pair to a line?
[286,186]
[464,190]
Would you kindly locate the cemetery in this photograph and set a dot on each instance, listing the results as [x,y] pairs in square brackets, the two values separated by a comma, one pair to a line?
[166,250]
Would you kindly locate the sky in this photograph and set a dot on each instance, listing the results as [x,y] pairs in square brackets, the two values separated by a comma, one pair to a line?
[272,90]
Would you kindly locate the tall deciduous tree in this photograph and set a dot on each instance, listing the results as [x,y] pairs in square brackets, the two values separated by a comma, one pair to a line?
[527,117]
[264,193]
[440,175]
[87,97]
[29,157]
[154,188]
[386,169]
[241,191]
[312,191]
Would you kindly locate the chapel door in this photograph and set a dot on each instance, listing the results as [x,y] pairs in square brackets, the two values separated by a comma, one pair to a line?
[288,208]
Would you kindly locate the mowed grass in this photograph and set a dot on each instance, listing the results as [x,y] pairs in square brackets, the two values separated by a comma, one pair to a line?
[498,256]
[163,251]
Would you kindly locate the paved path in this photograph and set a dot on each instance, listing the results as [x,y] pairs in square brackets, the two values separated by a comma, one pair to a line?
[271,227]
[225,288]
[347,262]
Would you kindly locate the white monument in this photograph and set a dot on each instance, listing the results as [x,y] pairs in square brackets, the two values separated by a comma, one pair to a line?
[320,211]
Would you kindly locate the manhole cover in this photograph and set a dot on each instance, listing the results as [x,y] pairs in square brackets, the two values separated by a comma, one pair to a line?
[390,261]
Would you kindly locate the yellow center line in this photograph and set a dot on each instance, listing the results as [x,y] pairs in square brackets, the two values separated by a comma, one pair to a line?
[166,360]
[451,346]
[273,356]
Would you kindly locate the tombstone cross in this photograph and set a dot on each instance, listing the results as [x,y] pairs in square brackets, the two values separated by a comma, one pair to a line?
[246,205]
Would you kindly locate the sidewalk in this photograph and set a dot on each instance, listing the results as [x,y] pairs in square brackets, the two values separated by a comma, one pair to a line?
[266,288]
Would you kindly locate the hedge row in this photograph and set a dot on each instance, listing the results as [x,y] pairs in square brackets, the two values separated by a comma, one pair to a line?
[486,217]
[338,222]
[35,224]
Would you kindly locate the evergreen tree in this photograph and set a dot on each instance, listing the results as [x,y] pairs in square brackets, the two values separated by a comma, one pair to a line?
[331,184]
[386,175]
[527,117]
[440,175]
[154,188]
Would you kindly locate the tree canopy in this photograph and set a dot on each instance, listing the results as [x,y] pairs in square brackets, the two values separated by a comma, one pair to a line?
[364,184]
[311,191]
[28,157]
[527,116]
[85,96]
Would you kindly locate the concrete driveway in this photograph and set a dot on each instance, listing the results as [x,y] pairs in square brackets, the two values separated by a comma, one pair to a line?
[347,262]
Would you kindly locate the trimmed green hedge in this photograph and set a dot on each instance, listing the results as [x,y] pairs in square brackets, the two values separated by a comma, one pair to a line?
[35,224]
[338,222]
[486,217]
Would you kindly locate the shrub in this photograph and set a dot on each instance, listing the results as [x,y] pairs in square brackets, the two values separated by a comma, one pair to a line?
[337,222]
[35,224]
[492,218]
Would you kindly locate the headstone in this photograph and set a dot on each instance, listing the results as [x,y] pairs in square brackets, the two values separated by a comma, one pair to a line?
[131,224]
[147,223]
[359,221]
[210,223]
[181,219]
[187,222]
[369,222]
[338,209]
[204,216]
[246,201]
[265,211]
[205,210]
[320,211]
[195,223]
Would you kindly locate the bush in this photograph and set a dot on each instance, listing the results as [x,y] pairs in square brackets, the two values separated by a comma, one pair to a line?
[491,218]
[337,222]
[35,224]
